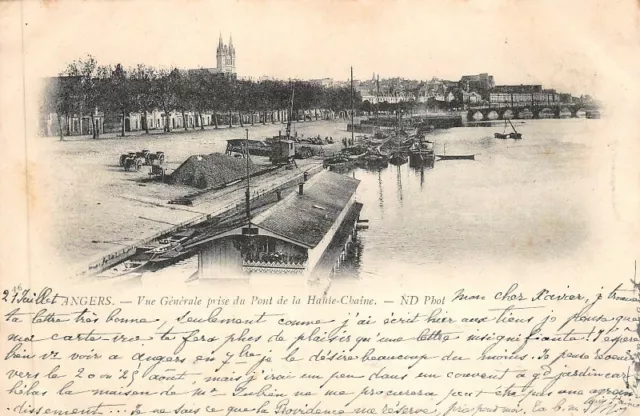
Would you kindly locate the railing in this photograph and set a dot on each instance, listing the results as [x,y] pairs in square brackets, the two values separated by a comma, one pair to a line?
[525,104]
[274,267]
[275,264]
[263,257]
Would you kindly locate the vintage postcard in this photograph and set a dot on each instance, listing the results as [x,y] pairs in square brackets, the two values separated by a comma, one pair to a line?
[320,207]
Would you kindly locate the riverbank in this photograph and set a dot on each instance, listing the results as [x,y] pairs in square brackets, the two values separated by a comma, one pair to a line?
[90,206]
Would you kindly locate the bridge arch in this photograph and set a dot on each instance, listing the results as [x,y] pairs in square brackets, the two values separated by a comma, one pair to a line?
[546,112]
[508,114]
[565,112]
[579,112]
[525,113]
[492,115]
[476,115]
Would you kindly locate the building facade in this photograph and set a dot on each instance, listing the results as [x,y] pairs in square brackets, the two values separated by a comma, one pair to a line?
[522,95]
[305,233]
[480,83]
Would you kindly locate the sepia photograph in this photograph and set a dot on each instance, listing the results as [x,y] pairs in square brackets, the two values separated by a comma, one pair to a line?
[320,207]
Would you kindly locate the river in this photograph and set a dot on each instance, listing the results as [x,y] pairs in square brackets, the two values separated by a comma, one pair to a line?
[522,202]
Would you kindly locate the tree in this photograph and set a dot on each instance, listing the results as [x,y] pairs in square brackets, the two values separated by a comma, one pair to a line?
[119,95]
[217,94]
[264,98]
[367,106]
[167,86]
[239,98]
[184,94]
[143,84]
[280,96]
[198,85]
[88,92]
[248,95]
[59,98]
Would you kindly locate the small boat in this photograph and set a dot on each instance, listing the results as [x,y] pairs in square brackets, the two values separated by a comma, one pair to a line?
[398,158]
[356,157]
[514,135]
[504,135]
[173,242]
[354,152]
[456,157]
[421,147]
[128,269]
[421,152]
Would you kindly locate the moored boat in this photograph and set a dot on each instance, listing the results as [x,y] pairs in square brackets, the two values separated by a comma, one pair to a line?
[398,158]
[456,157]
[129,269]
[504,135]
[516,136]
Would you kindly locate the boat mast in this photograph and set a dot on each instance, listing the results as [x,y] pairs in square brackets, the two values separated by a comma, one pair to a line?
[247,192]
[290,114]
[352,125]
[377,80]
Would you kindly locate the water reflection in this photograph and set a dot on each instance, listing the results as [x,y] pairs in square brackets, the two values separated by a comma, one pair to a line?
[380,194]
[504,206]
[399,184]
[352,266]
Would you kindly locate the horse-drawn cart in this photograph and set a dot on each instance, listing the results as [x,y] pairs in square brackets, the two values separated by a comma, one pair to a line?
[135,160]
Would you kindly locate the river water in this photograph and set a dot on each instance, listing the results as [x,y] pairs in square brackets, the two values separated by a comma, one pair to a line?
[522,202]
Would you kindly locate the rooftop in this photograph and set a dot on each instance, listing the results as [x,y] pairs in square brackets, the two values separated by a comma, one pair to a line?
[307,218]
[215,169]
[517,88]
[304,219]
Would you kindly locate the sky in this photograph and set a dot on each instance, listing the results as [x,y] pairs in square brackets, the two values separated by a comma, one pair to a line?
[556,44]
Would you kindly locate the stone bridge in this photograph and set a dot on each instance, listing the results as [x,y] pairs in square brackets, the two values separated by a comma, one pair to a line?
[555,110]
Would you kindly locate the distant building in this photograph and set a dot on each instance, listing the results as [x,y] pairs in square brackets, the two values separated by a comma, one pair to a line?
[394,98]
[436,89]
[565,98]
[471,97]
[522,95]
[323,82]
[225,59]
[480,83]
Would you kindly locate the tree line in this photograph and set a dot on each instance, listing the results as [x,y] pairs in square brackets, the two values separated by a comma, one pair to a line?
[85,86]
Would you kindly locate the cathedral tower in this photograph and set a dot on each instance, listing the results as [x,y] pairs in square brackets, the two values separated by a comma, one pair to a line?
[226,57]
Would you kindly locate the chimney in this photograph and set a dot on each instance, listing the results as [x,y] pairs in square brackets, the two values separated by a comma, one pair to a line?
[301,188]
